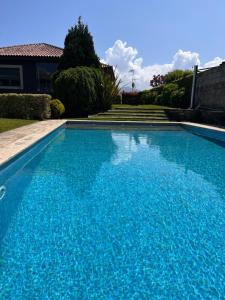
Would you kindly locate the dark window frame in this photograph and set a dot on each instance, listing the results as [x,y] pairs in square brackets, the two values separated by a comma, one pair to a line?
[46,84]
[13,87]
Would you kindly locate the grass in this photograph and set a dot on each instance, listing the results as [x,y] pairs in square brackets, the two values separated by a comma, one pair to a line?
[8,124]
[124,106]
[149,106]
[134,114]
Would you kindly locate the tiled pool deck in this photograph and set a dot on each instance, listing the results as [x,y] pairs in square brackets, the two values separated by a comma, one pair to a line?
[15,141]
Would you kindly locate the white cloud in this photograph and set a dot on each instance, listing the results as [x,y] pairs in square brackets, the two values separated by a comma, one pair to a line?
[127,146]
[124,58]
[213,63]
[185,59]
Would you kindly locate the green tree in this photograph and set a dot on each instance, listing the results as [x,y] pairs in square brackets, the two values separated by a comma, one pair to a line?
[83,91]
[172,95]
[176,75]
[79,48]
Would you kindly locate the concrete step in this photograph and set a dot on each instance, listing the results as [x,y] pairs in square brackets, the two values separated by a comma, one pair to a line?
[132,114]
[114,117]
[135,111]
[131,119]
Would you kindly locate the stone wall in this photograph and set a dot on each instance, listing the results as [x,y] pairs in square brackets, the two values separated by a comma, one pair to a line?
[210,88]
[206,116]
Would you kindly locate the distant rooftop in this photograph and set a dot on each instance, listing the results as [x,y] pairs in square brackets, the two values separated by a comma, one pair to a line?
[32,50]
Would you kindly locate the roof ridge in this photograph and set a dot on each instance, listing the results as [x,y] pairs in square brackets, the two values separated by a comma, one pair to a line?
[32,50]
[31,44]
[19,45]
[52,46]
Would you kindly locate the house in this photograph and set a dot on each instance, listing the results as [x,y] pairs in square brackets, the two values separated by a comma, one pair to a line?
[28,68]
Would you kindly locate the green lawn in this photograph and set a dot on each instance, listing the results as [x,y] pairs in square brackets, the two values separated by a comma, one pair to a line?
[140,106]
[7,124]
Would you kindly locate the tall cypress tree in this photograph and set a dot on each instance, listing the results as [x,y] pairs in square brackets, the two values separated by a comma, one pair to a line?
[79,48]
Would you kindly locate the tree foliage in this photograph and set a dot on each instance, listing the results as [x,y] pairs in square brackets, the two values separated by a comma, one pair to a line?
[149,96]
[171,95]
[79,48]
[157,80]
[111,88]
[176,75]
[80,83]
[83,91]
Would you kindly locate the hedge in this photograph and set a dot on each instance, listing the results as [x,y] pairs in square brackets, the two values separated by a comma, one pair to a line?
[138,98]
[132,98]
[173,94]
[25,106]
[176,93]
[149,96]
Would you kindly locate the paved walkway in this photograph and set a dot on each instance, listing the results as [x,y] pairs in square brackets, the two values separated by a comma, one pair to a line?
[14,141]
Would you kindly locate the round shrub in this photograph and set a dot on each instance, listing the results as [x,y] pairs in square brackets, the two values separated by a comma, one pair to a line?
[57,108]
[81,90]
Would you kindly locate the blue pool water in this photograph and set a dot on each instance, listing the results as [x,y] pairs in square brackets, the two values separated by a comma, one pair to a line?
[115,214]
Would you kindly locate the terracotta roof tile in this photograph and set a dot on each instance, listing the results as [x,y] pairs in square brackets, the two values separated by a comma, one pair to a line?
[35,50]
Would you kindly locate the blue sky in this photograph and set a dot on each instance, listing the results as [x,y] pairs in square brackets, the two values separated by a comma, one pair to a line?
[154,30]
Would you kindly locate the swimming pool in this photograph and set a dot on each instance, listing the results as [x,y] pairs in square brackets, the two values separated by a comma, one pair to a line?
[114,214]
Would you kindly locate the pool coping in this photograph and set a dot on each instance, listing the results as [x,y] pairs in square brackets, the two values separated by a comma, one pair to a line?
[16,141]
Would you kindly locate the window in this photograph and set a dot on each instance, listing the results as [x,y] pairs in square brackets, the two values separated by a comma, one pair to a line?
[11,77]
[44,74]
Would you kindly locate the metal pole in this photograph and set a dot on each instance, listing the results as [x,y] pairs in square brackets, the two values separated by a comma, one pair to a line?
[195,73]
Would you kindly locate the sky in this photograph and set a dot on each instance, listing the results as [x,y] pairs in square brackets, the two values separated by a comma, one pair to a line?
[150,37]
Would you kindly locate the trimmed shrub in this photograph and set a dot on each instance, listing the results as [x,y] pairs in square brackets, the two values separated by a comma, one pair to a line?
[57,108]
[174,94]
[25,106]
[132,98]
[171,95]
[144,97]
[81,90]
[149,96]
[76,89]
[117,99]
[186,84]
